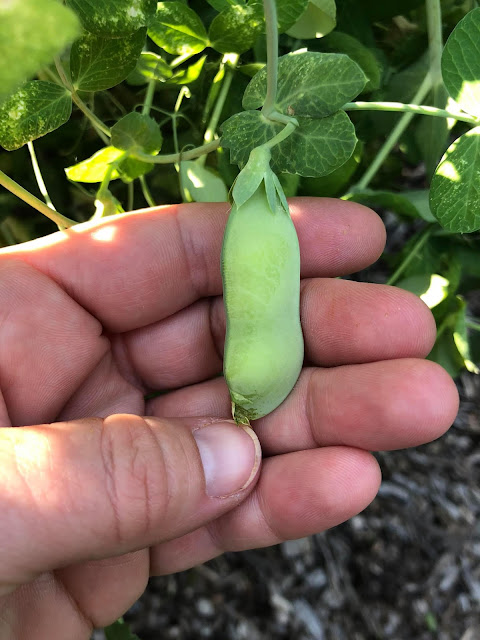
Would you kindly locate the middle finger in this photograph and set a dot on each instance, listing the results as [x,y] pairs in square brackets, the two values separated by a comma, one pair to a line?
[343,322]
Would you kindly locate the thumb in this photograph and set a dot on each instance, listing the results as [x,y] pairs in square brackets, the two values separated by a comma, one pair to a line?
[95,488]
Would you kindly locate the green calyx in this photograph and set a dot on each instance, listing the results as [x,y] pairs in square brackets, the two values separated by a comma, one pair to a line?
[258,171]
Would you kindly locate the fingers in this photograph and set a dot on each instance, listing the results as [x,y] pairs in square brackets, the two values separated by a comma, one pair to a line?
[298,494]
[343,322]
[104,589]
[92,489]
[48,345]
[154,263]
[352,322]
[373,406]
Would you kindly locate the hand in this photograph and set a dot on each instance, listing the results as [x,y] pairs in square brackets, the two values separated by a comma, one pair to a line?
[93,319]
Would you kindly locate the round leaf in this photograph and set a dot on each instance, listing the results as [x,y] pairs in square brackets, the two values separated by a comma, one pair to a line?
[137,131]
[236,29]
[98,63]
[33,111]
[318,20]
[178,29]
[309,84]
[316,148]
[114,18]
[455,189]
[461,63]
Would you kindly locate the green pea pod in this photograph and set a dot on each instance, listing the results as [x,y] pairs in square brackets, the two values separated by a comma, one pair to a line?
[261,286]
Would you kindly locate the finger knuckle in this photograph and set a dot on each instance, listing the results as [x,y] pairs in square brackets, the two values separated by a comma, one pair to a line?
[136,480]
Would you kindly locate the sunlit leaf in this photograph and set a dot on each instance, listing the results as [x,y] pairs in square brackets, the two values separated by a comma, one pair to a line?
[316,148]
[318,20]
[114,18]
[236,29]
[461,63]
[455,188]
[309,84]
[178,29]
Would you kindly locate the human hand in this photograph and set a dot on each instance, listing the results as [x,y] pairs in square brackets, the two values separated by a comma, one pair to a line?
[93,319]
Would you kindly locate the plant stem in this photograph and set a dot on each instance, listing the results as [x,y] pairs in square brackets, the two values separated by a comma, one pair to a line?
[420,109]
[229,62]
[395,135]
[179,60]
[101,128]
[61,221]
[172,158]
[422,239]
[38,176]
[473,325]
[131,195]
[147,105]
[435,39]
[270,9]
[146,192]
[280,137]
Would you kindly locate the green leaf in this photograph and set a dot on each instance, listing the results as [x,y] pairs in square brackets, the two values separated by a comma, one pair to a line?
[190,74]
[119,630]
[334,183]
[130,169]
[288,13]
[236,29]
[316,148]
[137,132]
[32,33]
[460,337]
[309,84]
[251,69]
[339,42]
[93,169]
[408,204]
[33,111]
[446,354]
[318,20]
[420,198]
[201,184]
[461,63]
[178,29]
[455,189]
[98,63]
[150,66]
[219,5]
[114,18]
[431,288]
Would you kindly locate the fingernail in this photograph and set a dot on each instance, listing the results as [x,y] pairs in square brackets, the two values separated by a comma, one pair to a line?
[230,457]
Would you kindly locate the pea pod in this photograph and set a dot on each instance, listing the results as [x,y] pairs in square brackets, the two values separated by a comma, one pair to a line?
[261,286]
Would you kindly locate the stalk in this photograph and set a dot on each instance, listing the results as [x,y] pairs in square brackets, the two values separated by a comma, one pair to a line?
[395,135]
[61,221]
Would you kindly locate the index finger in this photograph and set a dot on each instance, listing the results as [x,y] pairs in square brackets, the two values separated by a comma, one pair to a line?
[139,268]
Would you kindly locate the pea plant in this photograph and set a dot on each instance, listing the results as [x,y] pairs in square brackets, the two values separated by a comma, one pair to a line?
[147,103]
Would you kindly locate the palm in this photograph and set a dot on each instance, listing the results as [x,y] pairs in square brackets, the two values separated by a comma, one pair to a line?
[95,321]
